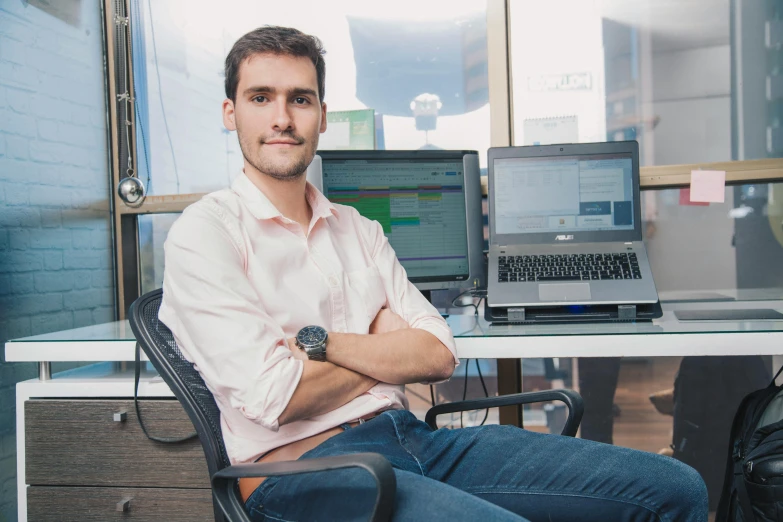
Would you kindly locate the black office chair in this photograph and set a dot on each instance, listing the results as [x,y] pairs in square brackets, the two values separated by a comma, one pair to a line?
[187,385]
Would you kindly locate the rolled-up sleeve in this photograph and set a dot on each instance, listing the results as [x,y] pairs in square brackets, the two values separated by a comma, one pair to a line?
[219,321]
[403,297]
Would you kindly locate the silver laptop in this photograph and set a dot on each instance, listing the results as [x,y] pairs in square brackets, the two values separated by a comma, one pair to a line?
[565,226]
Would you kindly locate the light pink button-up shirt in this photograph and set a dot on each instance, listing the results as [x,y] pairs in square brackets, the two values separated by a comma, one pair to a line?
[240,278]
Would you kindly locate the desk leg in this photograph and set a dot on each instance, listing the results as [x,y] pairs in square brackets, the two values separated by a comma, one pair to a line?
[44,371]
[510,381]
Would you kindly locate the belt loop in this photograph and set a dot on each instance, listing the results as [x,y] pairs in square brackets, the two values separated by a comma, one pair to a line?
[361,421]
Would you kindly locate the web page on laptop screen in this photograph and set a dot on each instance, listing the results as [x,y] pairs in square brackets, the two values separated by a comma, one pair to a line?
[563,194]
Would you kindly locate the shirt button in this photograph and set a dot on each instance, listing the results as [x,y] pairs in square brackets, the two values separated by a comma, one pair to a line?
[332,280]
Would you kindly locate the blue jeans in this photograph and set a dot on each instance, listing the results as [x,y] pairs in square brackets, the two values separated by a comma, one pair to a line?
[488,473]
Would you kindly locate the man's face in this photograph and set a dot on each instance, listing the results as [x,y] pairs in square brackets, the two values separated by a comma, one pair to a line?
[277,114]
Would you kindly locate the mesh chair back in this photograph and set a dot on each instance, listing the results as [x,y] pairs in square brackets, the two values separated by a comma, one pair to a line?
[158,343]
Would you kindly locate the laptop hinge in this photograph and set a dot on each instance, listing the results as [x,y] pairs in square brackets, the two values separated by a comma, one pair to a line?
[626,312]
[516,314]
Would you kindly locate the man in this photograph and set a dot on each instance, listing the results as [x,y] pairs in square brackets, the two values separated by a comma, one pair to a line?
[303,324]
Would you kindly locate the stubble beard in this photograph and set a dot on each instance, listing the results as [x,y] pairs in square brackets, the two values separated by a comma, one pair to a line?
[282,170]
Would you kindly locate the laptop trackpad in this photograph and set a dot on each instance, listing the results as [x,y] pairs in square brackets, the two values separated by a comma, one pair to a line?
[564,292]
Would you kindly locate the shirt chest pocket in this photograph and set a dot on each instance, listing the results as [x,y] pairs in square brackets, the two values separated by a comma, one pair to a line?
[367,292]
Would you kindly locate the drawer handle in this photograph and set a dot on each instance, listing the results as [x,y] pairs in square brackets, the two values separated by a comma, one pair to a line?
[121,416]
[124,504]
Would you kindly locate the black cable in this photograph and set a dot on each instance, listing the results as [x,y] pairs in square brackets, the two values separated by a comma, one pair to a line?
[432,394]
[486,393]
[465,392]
[474,292]
[136,378]
[454,301]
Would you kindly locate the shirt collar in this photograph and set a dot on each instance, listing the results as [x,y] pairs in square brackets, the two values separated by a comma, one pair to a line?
[261,208]
[322,207]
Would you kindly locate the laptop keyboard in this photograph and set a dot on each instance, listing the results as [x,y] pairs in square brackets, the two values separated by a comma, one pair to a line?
[572,267]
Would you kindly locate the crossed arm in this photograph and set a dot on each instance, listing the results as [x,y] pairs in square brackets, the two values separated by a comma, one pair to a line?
[392,352]
[208,299]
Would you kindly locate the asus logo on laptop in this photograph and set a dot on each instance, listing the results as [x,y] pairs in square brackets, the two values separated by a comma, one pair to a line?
[564,238]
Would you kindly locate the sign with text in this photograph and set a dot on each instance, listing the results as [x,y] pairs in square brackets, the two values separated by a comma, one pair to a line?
[349,130]
[560,82]
[546,131]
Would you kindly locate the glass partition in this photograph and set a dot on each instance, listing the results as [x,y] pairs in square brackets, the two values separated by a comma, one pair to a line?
[691,81]
[422,67]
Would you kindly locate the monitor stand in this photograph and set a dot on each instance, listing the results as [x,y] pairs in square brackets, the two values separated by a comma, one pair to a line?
[428,296]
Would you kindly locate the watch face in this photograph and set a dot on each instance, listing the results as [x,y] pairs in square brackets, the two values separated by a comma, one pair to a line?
[311,336]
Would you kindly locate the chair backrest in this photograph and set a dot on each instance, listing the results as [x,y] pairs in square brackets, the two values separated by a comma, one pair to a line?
[158,343]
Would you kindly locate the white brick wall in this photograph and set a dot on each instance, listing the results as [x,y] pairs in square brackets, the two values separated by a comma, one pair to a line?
[55,236]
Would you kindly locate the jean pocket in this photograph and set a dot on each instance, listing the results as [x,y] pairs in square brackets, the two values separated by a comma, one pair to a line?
[257,499]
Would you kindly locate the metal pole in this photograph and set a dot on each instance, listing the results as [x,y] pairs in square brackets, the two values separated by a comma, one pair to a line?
[44,371]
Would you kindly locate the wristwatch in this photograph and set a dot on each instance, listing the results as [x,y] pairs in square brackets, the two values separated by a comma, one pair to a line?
[312,339]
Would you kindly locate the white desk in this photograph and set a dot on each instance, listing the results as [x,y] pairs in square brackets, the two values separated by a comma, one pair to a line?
[113,344]
[662,337]
[476,338]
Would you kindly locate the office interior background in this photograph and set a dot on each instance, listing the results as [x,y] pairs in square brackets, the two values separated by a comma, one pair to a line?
[693,81]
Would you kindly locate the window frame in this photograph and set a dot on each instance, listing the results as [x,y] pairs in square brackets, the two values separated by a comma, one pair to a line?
[121,115]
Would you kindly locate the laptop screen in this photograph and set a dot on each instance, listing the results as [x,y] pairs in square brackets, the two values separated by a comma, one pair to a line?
[564,194]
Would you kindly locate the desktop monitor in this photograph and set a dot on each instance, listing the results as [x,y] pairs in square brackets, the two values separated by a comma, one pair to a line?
[427,201]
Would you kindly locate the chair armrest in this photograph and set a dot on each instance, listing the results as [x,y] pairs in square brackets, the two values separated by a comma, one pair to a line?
[224,481]
[571,399]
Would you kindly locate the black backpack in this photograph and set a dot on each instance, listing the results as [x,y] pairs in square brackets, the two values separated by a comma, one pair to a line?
[753,483]
[707,394]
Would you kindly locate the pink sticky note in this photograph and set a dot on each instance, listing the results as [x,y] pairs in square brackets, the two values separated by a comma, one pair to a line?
[685,198]
[708,186]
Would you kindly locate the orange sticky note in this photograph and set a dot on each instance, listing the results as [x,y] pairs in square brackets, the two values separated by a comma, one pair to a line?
[708,186]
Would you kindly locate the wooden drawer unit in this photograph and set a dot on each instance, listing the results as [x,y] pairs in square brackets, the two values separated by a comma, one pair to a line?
[79,443]
[64,504]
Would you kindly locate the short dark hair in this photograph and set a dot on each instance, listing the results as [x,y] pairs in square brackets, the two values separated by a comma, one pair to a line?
[274,40]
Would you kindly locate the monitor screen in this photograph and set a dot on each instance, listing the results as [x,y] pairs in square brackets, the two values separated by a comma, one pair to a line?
[563,194]
[420,203]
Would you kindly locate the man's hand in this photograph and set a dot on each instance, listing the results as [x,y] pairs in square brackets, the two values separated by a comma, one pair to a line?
[323,387]
[296,352]
[387,321]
